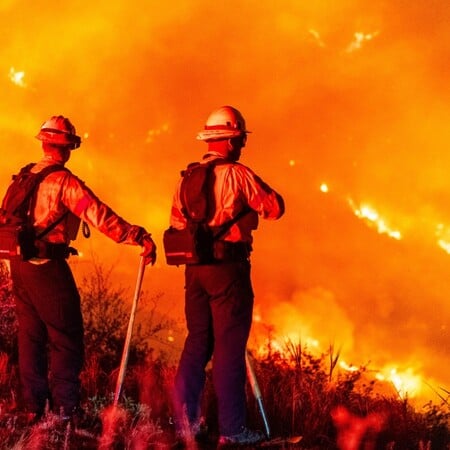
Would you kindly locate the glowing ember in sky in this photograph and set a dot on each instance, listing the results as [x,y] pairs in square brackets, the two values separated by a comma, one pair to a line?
[152,134]
[17,77]
[358,39]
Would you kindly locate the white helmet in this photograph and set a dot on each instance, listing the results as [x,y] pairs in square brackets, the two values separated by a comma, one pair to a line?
[224,123]
[58,130]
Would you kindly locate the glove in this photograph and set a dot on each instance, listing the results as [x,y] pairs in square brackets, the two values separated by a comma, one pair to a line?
[149,252]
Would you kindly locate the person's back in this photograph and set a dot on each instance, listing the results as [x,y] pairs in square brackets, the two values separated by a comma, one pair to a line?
[219,294]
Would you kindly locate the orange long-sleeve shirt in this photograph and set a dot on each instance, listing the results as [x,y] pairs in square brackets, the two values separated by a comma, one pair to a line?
[236,187]
[62,192]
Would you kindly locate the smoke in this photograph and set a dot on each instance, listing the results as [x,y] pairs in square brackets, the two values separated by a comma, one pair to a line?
[354,94]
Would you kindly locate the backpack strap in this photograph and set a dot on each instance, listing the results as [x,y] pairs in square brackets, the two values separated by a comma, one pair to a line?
[40,177]
[51,226]
[227,225]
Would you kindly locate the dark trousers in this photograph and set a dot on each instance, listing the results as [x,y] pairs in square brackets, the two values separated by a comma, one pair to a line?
[50,334]
[218,308]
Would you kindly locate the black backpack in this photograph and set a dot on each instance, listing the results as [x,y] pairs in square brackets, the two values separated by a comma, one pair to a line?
[197,191]
[17,235]
[195,243]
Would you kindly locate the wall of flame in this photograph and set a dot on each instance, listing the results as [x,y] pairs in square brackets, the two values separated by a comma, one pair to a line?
[352,95]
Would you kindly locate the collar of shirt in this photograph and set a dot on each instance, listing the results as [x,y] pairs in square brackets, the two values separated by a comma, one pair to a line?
[213,155]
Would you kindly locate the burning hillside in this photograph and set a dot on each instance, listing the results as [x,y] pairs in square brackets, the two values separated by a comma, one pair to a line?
[348,104]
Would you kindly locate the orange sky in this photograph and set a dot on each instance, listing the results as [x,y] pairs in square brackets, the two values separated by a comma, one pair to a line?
[354,94]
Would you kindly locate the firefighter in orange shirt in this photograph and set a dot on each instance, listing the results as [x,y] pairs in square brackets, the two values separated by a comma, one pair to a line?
[47,299]
[219,296]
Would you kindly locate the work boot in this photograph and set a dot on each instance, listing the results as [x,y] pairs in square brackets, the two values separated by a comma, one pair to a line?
[75,416]
[245,437]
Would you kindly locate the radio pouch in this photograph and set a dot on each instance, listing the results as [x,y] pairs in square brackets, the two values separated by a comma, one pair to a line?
[191,245]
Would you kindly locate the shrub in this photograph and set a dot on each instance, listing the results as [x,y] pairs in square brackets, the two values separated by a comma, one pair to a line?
[8,322]
[106,313]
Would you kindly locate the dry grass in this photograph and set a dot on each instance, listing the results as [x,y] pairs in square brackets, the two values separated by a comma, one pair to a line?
[300,399]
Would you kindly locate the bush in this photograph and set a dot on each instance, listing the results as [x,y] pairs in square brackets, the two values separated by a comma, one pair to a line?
[8,322]
[106,313]
[305,395]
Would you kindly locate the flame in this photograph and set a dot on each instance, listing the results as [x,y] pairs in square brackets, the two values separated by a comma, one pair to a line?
[443,235]
[445,245]
[281,344]
[317,38]
[286,346]
[406,382]
[371,216]
[348,367]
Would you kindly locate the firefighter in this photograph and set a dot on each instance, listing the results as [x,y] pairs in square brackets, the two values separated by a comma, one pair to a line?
[47,298]
[219,295]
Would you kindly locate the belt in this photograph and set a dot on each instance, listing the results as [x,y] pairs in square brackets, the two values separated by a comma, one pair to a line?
[47,250]
[226,251]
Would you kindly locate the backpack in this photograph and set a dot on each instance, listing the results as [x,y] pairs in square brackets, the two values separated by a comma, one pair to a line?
[17,234]
[195,244]
[197,191]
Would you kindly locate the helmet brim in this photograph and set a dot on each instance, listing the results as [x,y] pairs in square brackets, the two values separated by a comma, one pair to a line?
[218,135]
[59,139]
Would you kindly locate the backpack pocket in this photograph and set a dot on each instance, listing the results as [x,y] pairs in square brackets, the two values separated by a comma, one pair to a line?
[17,241]
[191,245]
